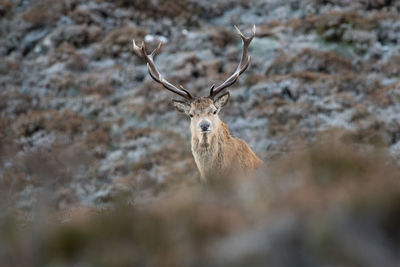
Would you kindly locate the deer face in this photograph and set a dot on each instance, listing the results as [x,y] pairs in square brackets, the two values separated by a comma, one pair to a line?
[203,113]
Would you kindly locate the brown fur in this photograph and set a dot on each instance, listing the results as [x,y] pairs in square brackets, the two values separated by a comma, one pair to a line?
[214,149]
[218,152]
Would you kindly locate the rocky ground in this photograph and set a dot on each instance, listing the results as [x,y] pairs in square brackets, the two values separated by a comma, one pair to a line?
[83,124]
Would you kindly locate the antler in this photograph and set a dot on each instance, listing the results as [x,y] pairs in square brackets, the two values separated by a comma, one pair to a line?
[151,67]
[244,63]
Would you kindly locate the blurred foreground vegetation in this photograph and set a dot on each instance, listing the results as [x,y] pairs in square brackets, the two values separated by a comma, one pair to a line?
[333,203]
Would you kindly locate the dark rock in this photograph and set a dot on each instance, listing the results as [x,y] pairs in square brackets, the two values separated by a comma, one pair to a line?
[31,39]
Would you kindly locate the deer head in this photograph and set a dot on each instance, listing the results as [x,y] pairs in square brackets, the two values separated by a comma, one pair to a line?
[203,111]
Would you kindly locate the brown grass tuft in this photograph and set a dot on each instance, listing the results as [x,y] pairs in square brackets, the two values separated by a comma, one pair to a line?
[120,40]
[43,12]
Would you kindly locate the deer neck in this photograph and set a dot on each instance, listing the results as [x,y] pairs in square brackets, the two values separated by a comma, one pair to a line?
[210,142]
[209,154]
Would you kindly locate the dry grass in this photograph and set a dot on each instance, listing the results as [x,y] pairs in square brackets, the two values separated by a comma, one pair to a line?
[77,35]
[120,40]
[43,12]
[93,83]
[179,9]
[67,122]
[320,187]
[221,36]
[316,61]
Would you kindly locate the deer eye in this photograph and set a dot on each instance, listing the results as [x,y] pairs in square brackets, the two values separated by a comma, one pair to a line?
[215,112]
[191,115]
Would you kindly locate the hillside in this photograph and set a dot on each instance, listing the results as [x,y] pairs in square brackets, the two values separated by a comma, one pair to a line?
[85,130]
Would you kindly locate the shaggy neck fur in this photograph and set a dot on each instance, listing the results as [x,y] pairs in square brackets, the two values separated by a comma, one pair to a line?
[208,149]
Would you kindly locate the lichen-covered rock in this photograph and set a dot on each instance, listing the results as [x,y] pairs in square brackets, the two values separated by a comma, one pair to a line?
[77,35]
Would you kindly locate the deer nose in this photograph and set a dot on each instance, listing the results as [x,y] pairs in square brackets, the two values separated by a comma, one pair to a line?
[204,126]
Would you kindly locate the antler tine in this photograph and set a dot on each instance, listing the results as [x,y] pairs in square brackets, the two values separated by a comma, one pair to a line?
[212,88]
[244,63]
[140,51]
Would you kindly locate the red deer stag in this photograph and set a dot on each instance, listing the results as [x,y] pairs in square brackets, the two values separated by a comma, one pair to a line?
[215,150]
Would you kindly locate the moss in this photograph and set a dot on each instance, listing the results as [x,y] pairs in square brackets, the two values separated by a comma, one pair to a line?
[341,48]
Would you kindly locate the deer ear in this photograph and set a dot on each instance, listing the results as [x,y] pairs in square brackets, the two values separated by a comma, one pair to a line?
[222,100]
[181,106]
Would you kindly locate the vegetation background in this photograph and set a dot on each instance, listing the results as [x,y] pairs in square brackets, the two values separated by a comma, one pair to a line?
[95,164]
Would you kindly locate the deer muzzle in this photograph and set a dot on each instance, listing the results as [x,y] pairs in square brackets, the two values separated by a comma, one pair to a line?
[204,126]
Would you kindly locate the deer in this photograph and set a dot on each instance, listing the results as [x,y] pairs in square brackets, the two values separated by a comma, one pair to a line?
[216,152]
